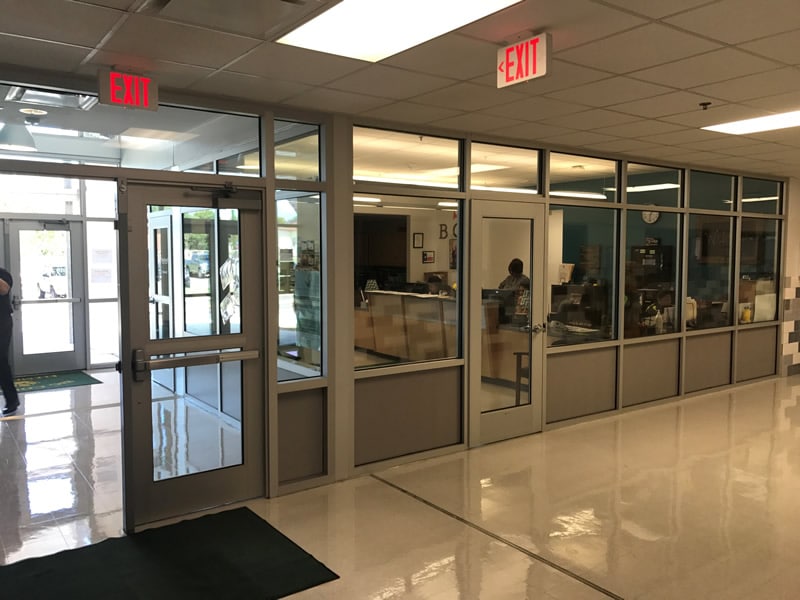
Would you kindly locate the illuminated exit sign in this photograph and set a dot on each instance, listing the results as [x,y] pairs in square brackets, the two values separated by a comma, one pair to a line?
[128,90]
[524,60]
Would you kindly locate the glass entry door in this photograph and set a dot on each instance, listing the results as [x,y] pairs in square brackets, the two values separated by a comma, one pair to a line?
[507,320]
[46,261]
[193,385]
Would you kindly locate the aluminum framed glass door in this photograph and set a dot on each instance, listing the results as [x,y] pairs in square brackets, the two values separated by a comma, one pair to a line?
[507,320]
[46,261]
[193,377]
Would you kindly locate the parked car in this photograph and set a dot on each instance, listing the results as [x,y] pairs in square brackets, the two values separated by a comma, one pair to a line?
[198,264]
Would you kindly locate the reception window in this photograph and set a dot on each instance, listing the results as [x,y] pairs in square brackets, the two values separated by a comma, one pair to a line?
[758,270]
[648,184]
[651,273]
[709,272]
[300,270]
[581,274]
[406,280]
[583,177]
[504,169]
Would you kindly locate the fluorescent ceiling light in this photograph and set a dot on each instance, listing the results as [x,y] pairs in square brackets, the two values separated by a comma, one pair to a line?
[757,199]
[448,204]
[647,188]
[589,195]
[386,27]
[286,153]
[490,188]
[366,199]
[779,121]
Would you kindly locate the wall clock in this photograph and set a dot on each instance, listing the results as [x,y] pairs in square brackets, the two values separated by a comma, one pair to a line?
[650,216]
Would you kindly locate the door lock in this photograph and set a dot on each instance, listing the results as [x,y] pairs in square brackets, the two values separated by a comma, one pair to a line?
[539,328]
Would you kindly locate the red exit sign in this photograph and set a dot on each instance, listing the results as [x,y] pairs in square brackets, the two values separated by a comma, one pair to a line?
[524,60]
[128,90]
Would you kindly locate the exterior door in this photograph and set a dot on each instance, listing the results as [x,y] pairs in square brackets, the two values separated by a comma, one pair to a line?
[193,374]
[46,261]
[507,320]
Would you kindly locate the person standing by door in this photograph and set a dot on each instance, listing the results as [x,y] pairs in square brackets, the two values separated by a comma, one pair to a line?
[6,328]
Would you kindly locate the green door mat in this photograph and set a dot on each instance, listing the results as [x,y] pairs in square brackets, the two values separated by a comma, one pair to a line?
[52,381]
[233,554]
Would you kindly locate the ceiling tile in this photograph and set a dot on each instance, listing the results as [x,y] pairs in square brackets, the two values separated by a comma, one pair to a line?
[249,87]
[610,91]
[687,136]
[579,138]
[715,115]
[781,47]
[532,131]
[778,103]
[388,82]
[409,112]
[571,23]
[729,144]
[535,109]
[166,74]
[660,106]
[468,97]
[118,4]
[590,119]
[477,122]
[706,68]
[295,64]
[44,19]
[335,101]
[35,54]
[621,145]
[639,129]
[454,56]
[637,49]
[736,21]
[662,152]
[770,83]
[155,38]
[657,9]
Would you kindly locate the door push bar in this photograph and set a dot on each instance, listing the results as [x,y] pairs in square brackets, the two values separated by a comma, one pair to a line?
[142,366]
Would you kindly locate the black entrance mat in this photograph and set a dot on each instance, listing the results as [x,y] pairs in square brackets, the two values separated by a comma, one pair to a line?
[233,554]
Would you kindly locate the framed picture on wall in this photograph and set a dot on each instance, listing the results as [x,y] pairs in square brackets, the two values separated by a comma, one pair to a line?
[418,240]
[428,256]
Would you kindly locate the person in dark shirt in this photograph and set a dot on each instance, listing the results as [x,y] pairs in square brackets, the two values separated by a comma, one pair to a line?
[516,278]
[6,328]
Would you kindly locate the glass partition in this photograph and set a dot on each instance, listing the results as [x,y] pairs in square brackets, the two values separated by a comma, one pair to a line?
[761,196]
[709,272]
[296,151]
[299,285]
[582,274]
[504,169]
[406,276]
[648,184]
[386,156]
[651,273]
[758,270]
[583,177]
[711,191]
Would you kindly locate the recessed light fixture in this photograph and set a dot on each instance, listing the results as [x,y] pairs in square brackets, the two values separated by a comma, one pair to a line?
[769,123]
[654,187]
[588,195]
[366,199]
[386,27]
[447,205]
[38,112]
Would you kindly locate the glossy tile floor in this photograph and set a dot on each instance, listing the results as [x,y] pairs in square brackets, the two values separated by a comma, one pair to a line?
[691,499]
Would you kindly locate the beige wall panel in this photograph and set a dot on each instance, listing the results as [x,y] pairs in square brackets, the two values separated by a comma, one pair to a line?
[708,361]
[402,414]
[301,435]
[755,353]
[581,383]
[650,372]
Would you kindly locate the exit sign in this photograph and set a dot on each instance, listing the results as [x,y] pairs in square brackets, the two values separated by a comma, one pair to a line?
[128,90]
[524,60]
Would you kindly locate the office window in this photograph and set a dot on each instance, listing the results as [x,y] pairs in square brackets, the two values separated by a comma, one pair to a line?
[711,191]
[583,177]
[761,196]
[296,151]
[709,272]
[758,270]
[648,184]
[384,156]
[651,273]
[581,274]
[406,275]
[300,265]
[504,169]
